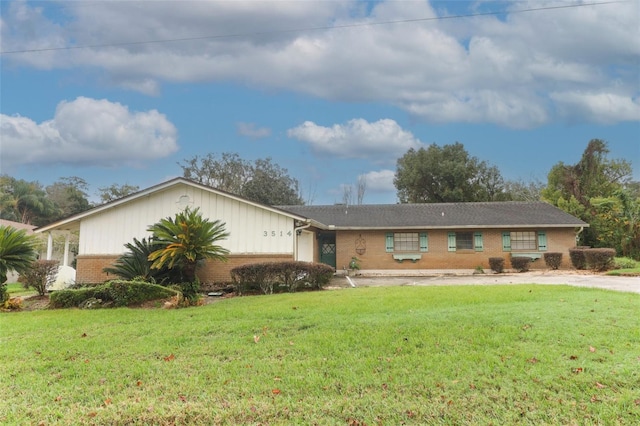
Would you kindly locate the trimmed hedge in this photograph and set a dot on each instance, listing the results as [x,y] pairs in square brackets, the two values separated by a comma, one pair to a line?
[600,259]
[553,260]
[115,293]
[520,263]
[276,277]
[578,258]
[496,264]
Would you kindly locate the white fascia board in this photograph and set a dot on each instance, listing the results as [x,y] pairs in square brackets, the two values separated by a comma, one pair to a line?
[73,221]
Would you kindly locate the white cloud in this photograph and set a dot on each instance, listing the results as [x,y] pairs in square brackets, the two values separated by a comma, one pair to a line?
[250,130]
[605,108]
[357,138]
[88,132]
[380,181]
[501,70]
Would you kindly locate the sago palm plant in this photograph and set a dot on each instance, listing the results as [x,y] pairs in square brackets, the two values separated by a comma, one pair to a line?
[186,240]
[135,264]
[17,253]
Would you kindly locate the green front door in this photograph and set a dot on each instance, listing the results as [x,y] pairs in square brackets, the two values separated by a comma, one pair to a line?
[327,244]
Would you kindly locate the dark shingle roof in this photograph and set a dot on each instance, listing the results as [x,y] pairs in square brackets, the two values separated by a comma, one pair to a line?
[442,215]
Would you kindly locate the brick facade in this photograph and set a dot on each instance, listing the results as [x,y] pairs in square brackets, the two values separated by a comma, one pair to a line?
[375,256]
[438,256]
[220,272]
[90,267]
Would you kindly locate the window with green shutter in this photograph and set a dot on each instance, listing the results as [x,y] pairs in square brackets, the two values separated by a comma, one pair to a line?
[542,241]
[424,242]
[452,241]
[506,241]
[389,242]
[477,241]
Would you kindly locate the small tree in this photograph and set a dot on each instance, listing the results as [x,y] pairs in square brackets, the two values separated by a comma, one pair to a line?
[40,275]
[186,240]
[17,252]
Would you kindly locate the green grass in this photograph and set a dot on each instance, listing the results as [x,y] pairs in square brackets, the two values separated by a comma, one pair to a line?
[415,355]
[17,289]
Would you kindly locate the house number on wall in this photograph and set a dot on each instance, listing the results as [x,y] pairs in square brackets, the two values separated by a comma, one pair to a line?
[275,233]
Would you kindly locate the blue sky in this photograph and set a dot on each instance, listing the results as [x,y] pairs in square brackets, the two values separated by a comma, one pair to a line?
[521,90]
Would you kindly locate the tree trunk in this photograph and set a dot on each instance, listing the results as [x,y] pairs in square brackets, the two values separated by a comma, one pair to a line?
[190,271]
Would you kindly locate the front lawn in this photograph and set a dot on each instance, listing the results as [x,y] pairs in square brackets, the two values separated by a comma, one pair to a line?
[521,354]
[17,289]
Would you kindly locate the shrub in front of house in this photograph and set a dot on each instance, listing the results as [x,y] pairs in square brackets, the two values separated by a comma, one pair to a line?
[319,275]
[625,263]
[600,259]
[553,260]
[496,264]
[41,275]
[578,258]
[520,263]
[250,278]
[277,277]
[114,293]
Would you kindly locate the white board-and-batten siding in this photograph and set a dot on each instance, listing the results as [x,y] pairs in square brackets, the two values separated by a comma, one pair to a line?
[253,229]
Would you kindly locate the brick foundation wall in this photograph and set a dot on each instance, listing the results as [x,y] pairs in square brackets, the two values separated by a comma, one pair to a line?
[220,272]
[89,267]
[438,256]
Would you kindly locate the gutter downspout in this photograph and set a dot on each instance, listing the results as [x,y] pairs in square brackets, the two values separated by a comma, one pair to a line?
[297,231]
[578,234]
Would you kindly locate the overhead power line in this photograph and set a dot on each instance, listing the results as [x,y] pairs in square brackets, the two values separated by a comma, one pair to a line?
[306,29]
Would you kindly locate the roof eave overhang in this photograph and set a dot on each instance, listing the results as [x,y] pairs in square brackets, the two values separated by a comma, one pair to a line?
[422,227]
[73,222]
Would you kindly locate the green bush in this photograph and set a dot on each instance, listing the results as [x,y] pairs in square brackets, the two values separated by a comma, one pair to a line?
[578,258]
[249,278]
[625,263]
[274,277]
[190,291]
[496,264]
[319,275]
[40,275]
[600,259]
[520,263]
[113,293]
[4,294]
[553,260]
[74,297]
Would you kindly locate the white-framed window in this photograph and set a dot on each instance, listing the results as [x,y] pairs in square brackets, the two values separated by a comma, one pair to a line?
[407,242]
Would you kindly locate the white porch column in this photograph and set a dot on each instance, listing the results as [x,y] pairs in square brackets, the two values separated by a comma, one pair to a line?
[65,258]
[49,246]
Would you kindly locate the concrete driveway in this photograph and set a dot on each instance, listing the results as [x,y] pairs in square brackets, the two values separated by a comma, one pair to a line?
[425,278]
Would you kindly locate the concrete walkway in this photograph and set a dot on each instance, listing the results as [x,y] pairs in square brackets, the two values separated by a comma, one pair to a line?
[464,277]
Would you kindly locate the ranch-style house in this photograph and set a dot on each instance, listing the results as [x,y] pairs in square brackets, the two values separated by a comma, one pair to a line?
[382,237]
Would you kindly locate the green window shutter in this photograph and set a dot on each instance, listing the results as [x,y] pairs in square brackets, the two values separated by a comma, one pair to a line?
[477,241]
[452,241]
[389,242]
[424,242]
[542,241]
[506,241]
